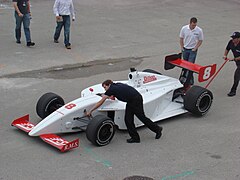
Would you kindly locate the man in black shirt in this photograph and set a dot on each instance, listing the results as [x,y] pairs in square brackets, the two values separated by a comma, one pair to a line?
[234,46]
[22,16]
[134,106]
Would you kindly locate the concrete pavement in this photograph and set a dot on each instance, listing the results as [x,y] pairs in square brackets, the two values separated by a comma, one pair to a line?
[191,148]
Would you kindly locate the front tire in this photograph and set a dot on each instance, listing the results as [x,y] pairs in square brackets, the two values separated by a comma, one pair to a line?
[100,130]
[198,100]
[48,103]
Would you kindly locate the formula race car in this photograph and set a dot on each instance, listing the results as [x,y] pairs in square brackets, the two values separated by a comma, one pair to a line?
[160,102]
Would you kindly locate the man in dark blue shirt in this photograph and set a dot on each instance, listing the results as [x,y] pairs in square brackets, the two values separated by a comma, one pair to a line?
[22,15]
[134,100]
[234,46]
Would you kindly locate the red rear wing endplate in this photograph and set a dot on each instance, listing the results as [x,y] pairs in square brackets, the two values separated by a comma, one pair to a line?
[52,139]
[204,72]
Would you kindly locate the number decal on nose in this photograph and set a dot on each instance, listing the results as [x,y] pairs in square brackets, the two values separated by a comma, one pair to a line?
[70,106]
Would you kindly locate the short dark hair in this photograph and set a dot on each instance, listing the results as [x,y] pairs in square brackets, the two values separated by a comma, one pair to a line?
[193,20]
[107,82]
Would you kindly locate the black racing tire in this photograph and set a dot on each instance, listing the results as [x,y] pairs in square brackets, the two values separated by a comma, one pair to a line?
[100,130]
[198,100]
[152,71]
[48,103]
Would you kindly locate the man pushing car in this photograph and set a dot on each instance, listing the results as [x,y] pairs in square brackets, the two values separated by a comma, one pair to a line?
[134,106]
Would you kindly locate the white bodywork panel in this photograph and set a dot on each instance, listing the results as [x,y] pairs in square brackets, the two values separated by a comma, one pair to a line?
[157,91]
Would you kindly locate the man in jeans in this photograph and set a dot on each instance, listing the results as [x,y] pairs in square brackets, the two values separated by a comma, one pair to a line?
[191,37]
[22,16]
[63,9]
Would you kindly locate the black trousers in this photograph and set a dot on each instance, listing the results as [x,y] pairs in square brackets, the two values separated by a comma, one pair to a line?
[135,107]
[236,79]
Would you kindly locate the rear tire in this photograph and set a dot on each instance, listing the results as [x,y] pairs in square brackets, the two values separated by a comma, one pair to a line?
[100,130]
[152,71]
[48,103]
[198,100]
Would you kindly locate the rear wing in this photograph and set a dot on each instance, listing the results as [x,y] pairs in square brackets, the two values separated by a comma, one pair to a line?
[63,145]
[204,72]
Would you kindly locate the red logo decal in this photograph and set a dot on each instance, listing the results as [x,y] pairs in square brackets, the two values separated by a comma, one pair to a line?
[148,79]
[71,145]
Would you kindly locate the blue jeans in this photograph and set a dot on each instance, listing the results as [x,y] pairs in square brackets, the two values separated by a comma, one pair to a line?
[186,76]
[26,23]
[66,24]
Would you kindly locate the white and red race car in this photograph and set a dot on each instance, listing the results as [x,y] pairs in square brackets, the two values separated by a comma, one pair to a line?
[160,102]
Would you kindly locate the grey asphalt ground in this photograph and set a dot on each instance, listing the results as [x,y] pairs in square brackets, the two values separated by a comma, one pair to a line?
[130,31]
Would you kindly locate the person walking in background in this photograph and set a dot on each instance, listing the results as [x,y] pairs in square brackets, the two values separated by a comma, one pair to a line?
[22,15]
[234,46]
[134,106]
[63,9]
[191,37]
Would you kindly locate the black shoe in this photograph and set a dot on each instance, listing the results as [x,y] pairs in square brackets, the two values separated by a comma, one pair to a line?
[68,46]
[232,93]
[56,41]
[159,133]
[30,44]
[18,42]
[131,140]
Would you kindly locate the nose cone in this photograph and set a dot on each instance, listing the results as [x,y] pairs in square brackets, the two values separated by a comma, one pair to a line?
[44,128]
[49,125]
[39,130]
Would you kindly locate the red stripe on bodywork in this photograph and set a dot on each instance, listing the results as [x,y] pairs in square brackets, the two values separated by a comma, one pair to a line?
[60,112]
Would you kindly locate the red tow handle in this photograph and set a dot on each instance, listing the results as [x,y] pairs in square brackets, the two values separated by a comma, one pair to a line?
[226,60]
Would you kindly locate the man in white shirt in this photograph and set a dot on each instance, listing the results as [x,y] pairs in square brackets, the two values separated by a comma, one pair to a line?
[63,9]
[191,37]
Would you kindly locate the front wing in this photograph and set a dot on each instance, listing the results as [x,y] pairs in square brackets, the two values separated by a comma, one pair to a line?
[63,145]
